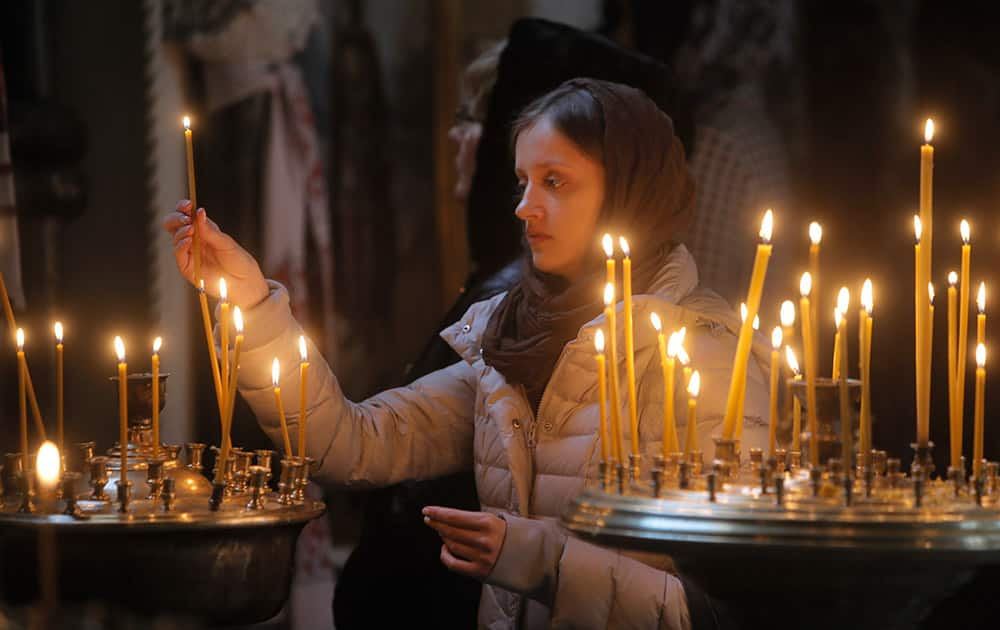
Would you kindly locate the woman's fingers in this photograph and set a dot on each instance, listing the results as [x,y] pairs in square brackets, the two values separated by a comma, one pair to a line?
[463,551]
[471,537]
[458,565]
[183,207]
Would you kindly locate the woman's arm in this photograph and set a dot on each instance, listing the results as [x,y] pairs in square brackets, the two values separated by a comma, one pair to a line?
[422,430]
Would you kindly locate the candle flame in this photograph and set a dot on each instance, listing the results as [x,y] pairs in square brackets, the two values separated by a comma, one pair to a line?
[624,245]
[838,317]
[980,355]
[964,230]
[694,385]
[157,343]
[843,299]
[275,371]
[867,296]
[223,291]
[806,284]
[682,354]
[928,131]
[674,345]
[120,349]
[47,463]
[743,312]
[20,339]
[918,227]
[681,334]
[787,313]
[201,285]
[187,123]
[776,337]
[655,320]
[981,297]
[952,278]
[756,322]
[766,226]
[609,294]
[793,363]
[599,341]
[238,320]
[58,329]
[302,348]
[815,233]
[608,245]
[930,292]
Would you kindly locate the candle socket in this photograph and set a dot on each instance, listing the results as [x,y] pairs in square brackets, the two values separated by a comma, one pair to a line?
[979,485]
[602,474]
[68,482]
[86,452]
[195,452]
[957,478]
[12,474]
[781,460]
[848,484]
[894,472]
[918,486]
[633,466]
[992,471]
[265,457]
[657,475]
[756,459]
[684,475]
[302,480]
[835,469]
[124,494]
[794,461]
[218,494]
[241,471]
[728,453]
[815,480]
[154,477]
[765,478]
[168,495]
[923,458]
[779,489]
[671,467]
[27,505]
[711,480]
[880,462]
[286,481]
[697,461]
[868,475]
[98,478]
[620,477]
[258,487]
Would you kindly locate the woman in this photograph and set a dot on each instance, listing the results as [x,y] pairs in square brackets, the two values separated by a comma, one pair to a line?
[520,408]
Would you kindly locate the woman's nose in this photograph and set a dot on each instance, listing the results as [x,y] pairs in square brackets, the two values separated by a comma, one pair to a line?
[528,207]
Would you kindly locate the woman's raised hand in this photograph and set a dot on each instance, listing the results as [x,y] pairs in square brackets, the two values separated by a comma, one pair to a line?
[221,256]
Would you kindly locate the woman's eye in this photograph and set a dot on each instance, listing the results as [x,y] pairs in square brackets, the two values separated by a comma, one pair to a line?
[553,182]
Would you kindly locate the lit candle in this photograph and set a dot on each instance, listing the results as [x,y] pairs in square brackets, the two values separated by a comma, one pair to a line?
[691,438]
[746,333]
[928,344]
[206,320]
[682,355]
[303,370]
[741,416]
[805,287]
[787,313]
[22,400]
[961,352]
[609,314]
[954,432]
[633,416]
[815,237]
[793,365]
[981,317]
[58,329]
[608,245]
[48,466]
[233,374]
[977,455]
[837,319]
[122,406]
[224,342]
[275,379]
[923,277]
[602,390]
[775,373]
[920,313]
[667,366]
[156,396]
[193,196]
[846,423]
[865,363]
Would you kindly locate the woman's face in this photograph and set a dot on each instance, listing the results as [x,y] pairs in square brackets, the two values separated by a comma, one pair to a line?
[562,192]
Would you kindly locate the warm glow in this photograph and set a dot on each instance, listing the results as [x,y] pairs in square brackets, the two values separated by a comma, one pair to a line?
[776,337]
[598,341]
[47,464]
[157,343]
[928,131]
[867,296]
[201,284]
[608,245]
[120,349]
[238,320]
[843,299]
[815,233]
[806,284]
[743,312]
[918,228]
[187,123]
[275,371]
[674,346]
[964,230]
[981,297]
[302,348]
[981,355]
[609,294]
[624,245]
[793,363]
[766,226]
[657,324]
[682,354]
[838,317]
[58,329]
[952,278]
[930,292]
[681,334]
[695,385]
[20,339]
[756,322]
[223,292]
[787,313]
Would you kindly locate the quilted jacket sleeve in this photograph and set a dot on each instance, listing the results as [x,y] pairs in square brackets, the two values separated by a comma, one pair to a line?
[422,430]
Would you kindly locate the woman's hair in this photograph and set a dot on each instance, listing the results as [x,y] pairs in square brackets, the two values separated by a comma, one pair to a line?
[479,78]
[573,111]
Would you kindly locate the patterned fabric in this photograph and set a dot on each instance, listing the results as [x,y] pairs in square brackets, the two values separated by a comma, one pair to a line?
[10,250]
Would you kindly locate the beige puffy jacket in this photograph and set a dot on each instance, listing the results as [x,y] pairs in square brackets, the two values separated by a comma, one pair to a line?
[527,468]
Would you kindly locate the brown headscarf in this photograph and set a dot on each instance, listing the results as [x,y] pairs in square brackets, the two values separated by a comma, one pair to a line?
[649,198]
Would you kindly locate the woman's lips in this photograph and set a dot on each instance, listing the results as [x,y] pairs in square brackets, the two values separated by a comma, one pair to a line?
[537,237]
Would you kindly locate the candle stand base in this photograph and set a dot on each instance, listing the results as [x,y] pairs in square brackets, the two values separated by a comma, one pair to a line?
[727,452]
[923,457]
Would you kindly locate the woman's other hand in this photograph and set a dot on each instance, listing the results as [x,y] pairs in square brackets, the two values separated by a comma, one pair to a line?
[221,257]
[472,540]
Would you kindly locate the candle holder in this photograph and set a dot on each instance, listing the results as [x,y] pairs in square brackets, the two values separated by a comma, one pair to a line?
[781,460]
[286,480]
[671,467]
[85,451]
[602,474]
[169,494]
[657,474]
[265,458]
[302,480]
[992,472]
[12,472]
[218,494]
[195,452]
[69,483]
[124,494]
[241,471]
[98,478]
[923,459]
[633,466]
[794,461]
[684,475]
[756,460]
[828,420]
[27,505]
[154,477]
[727,453]
[258,487]
[697,461]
